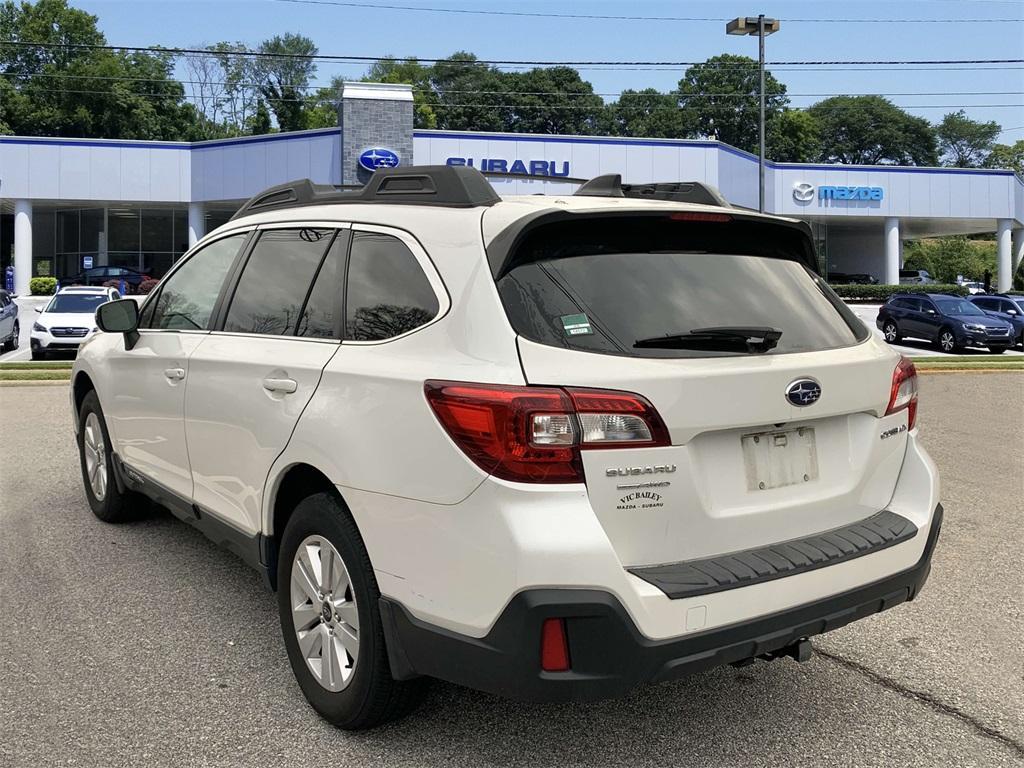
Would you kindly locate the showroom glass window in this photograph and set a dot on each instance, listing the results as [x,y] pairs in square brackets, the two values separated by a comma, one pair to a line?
[187,297]
[387,293]
[276,281]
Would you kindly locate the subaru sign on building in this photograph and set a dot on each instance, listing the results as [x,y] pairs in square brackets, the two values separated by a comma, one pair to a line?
[378,157]
[141,204]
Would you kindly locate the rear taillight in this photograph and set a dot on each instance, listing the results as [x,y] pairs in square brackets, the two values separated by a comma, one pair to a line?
[535,434]
[903,393]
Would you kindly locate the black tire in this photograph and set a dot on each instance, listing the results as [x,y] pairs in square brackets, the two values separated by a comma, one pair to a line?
[116,506]
[38,354]
[947,346]
[11,342]
[997,350]
[372,696]
[891,331]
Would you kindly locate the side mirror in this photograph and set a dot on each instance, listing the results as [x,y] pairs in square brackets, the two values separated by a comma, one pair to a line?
[930,311]
[1012,312]
[120,317]
[39,310]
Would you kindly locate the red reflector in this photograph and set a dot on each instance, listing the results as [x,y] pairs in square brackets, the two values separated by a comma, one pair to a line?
[554,647]
[697,216]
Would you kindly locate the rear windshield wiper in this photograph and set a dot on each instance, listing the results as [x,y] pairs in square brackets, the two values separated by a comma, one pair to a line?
[722,339]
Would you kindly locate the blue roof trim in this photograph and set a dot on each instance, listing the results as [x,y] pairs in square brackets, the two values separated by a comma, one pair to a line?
[708,143]
[108,143]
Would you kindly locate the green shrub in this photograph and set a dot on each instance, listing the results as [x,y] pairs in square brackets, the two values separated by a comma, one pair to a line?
[882,293]
[946,258]
[42,286]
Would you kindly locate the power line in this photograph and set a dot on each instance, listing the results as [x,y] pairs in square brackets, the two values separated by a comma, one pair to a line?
[574,94]
[595,16]
[516,62]
[492,105]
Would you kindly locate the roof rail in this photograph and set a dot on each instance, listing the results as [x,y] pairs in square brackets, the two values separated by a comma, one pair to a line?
[610,185]
[445,186]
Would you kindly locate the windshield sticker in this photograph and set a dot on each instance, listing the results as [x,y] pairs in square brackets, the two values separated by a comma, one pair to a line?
[576,325]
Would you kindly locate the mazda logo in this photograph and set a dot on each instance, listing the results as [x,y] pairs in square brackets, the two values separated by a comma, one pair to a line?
[803,192]
[803,392]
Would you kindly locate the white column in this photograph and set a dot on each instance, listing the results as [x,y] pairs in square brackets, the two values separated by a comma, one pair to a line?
[1017,249]
[196,223]
[22,246]
[1003,262]
[892,251]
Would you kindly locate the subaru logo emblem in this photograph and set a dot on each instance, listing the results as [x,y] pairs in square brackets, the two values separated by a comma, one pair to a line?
[377,157]
[803,192]
[803,392]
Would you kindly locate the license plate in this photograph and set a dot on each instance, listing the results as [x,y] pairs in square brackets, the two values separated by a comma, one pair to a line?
[779,458]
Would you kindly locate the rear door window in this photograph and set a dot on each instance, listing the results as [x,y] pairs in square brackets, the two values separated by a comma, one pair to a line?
[276,280]
[598,296]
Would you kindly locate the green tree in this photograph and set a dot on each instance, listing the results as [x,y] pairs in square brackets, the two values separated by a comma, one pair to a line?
[649,113]
[1007,156]
[86,92]
[872,130]
[552,100]
[721,96]
[947,258]
[259,122]
[284,75]
[470,95]
[794,136]
[965,143]
[322,106]
[410,71]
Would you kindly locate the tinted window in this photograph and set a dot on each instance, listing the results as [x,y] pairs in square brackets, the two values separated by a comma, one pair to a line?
[388,294]
[321,310]
[275,281]
[188,296]
[985,303]
[957,307]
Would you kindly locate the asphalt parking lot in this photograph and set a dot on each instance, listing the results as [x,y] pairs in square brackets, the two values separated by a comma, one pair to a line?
[146,645]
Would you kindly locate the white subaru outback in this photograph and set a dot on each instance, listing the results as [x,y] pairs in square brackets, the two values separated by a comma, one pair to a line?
[549,447]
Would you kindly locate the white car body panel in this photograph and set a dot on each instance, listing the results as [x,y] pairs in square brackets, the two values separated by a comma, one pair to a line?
[454,545]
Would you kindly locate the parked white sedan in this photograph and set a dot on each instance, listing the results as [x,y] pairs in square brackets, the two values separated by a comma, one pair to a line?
[68,320]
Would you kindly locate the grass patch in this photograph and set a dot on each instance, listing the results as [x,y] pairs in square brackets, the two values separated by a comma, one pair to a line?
[37,375]
[959,365]
[43,365]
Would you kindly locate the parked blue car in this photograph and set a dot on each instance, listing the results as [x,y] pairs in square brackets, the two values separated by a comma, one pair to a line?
[1009,309]
[950,322]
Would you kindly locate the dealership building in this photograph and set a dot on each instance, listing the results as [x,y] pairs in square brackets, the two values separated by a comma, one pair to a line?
[66,204]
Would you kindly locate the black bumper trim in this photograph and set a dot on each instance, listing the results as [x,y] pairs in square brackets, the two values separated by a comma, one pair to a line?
[691,578]
[609,655]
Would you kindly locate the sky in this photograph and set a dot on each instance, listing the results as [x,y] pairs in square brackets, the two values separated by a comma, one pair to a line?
[984,93]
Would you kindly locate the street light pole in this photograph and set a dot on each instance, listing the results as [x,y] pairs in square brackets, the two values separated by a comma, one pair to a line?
[760,156]
[762,27]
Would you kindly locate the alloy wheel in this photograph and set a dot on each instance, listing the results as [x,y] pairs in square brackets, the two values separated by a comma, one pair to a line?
[946,341]
[890,332]
[324,613]
[95,450]
[16,338]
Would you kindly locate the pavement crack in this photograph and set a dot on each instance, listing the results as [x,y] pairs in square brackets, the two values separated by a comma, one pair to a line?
[927,699]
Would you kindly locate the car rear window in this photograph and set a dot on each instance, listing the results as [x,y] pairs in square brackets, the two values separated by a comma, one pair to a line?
[593,294]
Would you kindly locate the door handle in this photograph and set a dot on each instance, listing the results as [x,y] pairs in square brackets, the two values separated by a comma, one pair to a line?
[174,374]
[285,386]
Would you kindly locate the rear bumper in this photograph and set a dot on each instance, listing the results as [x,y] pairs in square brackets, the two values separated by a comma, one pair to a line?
[609,655]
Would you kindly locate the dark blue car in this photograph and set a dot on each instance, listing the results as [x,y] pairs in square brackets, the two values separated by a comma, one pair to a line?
[1009,309]
[949,322]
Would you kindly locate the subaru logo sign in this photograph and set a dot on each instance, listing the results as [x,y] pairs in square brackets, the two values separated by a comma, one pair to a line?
[378,157]
[803,192]
[803,392]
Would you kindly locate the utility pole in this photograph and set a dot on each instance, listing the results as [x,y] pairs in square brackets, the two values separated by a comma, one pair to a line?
[762,27]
